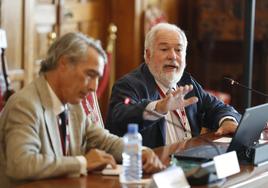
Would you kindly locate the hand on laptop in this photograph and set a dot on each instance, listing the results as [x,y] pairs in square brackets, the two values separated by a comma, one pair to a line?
[151,163]
[227,127]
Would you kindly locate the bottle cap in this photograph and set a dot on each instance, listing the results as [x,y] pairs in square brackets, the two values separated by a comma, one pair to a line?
[132,128]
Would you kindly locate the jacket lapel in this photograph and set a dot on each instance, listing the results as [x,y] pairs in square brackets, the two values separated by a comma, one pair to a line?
[75,123]
[53,133]
[153,92]
[49,117]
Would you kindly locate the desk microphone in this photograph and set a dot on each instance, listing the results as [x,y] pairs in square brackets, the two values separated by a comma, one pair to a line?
[233,82]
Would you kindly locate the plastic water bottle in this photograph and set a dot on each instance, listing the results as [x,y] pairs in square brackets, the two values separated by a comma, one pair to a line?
[132,155]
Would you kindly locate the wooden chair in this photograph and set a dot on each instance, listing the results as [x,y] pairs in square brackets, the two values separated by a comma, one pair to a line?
[90,103]
[92,110]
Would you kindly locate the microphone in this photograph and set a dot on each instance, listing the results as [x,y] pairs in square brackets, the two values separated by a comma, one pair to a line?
[233,82]
[128,101]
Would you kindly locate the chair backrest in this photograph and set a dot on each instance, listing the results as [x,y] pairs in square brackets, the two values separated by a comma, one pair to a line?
[152,16]
[90,103]
[225,97]
[92,110]
[109,71]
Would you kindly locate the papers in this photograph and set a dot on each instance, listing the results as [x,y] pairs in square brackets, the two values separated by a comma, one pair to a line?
[109,171]
[172,177]
[223,140]
[228,140]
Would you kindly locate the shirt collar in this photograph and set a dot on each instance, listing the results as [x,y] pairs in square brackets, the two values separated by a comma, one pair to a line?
[58,107]
[164,88]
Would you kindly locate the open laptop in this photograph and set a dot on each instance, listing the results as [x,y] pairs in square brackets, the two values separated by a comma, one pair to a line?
[246,135]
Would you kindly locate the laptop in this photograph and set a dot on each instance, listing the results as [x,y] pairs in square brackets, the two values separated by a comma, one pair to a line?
[247,135]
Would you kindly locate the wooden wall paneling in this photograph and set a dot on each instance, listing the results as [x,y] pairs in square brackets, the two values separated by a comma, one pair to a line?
[218,33]
[89,17]
[28,39]
[127,16]
[40,21]
[170,8]
[84,16]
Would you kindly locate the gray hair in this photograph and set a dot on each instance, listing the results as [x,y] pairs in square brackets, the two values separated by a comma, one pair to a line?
[150,36]
[72,45]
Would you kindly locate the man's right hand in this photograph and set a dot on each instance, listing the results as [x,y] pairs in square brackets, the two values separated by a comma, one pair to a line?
[175,100]
[98,160]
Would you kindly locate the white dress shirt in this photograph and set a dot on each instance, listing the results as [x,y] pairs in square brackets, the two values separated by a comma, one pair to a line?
[173,127]
[58,107]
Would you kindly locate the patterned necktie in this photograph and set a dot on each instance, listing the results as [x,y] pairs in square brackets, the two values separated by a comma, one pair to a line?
[180,128]
[63,128]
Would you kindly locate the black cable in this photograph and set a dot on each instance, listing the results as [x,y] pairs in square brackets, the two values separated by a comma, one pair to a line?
[127,101]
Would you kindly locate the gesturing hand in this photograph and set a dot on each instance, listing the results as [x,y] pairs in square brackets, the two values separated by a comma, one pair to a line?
[98,159]
[175,100]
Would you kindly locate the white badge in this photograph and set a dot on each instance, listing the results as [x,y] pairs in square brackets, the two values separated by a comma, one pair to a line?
[226,164]
[172,177]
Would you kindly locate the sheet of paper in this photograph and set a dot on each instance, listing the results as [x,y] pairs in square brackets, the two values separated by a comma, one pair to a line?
[112,172]
[223,140]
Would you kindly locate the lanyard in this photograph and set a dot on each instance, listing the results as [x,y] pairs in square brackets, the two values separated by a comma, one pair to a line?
[180,113]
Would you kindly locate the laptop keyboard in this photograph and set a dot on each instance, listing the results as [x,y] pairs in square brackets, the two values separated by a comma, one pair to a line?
[206,152]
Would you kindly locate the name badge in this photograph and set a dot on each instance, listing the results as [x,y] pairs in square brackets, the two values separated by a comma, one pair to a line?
[172,177]
[226,164]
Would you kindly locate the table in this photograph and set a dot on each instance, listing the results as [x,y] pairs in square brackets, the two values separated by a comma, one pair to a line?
[249,176]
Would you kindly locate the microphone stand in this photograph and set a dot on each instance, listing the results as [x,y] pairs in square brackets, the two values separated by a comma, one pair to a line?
[233,82]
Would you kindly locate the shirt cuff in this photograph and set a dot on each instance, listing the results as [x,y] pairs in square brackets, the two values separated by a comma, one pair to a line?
[144,148]
[227,118]
[150,113]
[83,165]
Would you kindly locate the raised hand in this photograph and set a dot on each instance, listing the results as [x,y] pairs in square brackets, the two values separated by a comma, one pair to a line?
[175,100]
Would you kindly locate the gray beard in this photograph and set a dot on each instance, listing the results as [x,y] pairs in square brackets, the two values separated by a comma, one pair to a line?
[167,82]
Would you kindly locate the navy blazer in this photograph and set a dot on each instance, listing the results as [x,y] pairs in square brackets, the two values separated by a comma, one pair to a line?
[140,86]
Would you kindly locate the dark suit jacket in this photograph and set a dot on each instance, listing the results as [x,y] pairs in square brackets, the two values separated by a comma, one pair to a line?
[140,86]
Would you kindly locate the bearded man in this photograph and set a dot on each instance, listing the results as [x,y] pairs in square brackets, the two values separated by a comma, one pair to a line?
[167,102]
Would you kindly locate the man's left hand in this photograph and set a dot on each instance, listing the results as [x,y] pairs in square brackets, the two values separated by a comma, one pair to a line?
[227,127]
[151,163]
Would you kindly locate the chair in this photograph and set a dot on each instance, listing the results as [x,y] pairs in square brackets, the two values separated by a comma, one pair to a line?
[225,97]
[90,103]
[152,16]
[92,110]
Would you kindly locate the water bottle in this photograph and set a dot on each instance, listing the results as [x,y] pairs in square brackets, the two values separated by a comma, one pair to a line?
[132,155]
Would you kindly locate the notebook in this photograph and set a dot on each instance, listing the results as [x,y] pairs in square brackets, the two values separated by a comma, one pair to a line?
[247,134]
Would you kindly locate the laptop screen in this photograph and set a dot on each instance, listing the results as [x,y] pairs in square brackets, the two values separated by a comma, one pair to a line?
[246,135]
[250,128]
